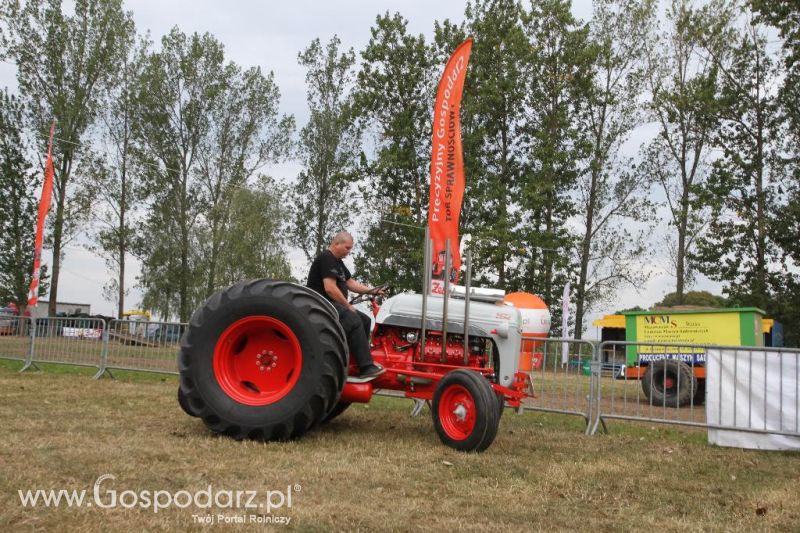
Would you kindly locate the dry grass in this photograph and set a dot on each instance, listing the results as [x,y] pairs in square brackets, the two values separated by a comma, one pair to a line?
[375,468]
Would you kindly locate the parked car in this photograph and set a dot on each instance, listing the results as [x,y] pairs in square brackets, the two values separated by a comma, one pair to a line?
[166,334]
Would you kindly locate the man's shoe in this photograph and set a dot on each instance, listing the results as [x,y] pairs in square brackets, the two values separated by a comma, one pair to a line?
[371,371]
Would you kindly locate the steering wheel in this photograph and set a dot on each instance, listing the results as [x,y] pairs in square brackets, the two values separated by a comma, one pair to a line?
[371,295]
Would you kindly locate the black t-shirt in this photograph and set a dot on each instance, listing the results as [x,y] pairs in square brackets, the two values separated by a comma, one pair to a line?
[327,266]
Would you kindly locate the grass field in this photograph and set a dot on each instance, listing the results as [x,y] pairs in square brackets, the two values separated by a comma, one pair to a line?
[374,468]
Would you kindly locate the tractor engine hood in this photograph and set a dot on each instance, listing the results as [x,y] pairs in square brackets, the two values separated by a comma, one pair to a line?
[501,323]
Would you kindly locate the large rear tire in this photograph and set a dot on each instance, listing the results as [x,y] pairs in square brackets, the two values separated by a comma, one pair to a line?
[340,408]
[465,411]
[670,383]
[264,360]
[184,403]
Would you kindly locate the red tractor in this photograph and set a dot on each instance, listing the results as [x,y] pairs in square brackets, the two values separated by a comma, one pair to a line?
[268,360]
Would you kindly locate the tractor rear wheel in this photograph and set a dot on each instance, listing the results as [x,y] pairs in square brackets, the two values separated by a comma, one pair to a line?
[263,360]
[670,383]
[465,411]
[184,403]
[340,408]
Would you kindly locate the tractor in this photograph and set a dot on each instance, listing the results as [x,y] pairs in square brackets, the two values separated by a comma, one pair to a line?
[268,360]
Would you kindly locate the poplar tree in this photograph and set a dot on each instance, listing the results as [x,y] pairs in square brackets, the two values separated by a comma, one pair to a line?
[560,83]
[683,78]
[111,170]
[63,61]
[739,248]
[178,89]
[18,208]
[395,94]
[329,147]
[611,193]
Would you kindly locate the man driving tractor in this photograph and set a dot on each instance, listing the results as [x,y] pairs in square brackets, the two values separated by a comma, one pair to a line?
[330,277]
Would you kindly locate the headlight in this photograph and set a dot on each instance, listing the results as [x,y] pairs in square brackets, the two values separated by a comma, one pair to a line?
[411,337]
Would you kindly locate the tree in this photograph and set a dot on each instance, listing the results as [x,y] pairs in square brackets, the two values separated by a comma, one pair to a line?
[560,85]
[683,85]
[785,303]
[494,117]
[62,63]
[609,189]
[697,298]
[18,185]
[245,133]
[255,235]
[739,247]
[177,94]
[395,101]
[112,172]
[329,147]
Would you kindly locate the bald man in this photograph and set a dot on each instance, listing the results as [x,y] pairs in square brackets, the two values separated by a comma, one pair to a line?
[331,278]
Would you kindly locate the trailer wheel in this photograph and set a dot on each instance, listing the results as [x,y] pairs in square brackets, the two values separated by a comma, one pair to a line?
[264,360]
[465,412]
[700,393]
[670,383]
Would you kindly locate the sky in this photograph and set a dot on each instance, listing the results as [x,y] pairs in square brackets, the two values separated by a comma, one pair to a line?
[270,35]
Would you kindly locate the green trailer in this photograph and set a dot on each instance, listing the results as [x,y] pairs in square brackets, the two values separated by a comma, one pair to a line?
[675,375]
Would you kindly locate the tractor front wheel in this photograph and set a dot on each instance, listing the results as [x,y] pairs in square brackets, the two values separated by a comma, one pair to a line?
[465,411]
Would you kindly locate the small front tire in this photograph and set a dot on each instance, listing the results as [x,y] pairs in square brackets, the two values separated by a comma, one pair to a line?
[465,411]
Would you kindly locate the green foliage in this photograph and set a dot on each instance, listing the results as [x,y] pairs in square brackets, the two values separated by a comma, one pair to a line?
[611,193]
[178,89]
[699,298]
[785,302]
[493,112]
[18,207]
[245,133]
[560,83]
[395,100]
[255,236]
[63,61]
[329,148]
[682,78]
[739,246]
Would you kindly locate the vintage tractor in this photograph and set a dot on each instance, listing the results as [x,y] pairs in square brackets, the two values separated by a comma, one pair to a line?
[268,360]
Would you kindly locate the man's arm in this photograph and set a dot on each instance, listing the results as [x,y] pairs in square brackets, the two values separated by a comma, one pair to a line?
[360,288]
[334,292]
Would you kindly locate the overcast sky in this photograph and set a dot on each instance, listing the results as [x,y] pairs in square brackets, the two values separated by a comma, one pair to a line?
[270,35]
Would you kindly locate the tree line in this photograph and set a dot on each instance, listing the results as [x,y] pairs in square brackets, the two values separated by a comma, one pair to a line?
[652,131]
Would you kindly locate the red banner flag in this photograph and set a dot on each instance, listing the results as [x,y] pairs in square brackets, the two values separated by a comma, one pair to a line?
[44,207]
[447,163]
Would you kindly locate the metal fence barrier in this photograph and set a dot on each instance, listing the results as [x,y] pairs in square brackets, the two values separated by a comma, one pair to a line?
[69,341]
[142,346]
[666,383]
[561,376]
[662,383]
[15,337]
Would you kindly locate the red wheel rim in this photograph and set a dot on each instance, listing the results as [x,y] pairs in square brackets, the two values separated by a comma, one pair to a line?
[668,383]
[457,412]
[257,360]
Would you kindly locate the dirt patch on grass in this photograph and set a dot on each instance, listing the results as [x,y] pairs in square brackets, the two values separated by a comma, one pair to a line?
[374,468]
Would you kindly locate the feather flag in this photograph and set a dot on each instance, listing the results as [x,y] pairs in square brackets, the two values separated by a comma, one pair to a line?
[447,164]
[44,207]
